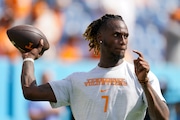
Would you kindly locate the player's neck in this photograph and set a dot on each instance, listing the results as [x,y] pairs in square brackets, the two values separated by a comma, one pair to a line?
[110,63]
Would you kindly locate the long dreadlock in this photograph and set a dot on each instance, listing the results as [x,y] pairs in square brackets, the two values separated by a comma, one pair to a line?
[92,30]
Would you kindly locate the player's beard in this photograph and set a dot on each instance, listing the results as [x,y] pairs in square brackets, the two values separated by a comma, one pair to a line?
[116,55]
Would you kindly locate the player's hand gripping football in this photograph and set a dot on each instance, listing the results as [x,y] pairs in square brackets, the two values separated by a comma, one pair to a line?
[141,68]
[35,53]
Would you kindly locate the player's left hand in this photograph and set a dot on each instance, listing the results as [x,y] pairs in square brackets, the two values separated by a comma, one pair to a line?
[141,68]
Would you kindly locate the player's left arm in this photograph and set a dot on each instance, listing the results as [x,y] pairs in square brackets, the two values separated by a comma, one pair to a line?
[157,108]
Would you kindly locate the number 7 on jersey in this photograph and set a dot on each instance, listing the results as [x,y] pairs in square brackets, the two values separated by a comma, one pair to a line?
[106,102]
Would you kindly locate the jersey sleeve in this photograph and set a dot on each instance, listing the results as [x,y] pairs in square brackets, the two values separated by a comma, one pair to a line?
[62,91]
[155,85]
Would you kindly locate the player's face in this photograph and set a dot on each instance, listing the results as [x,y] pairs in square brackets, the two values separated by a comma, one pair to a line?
[115,38]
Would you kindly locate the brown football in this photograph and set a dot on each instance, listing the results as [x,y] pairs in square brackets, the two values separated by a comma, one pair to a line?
[27,37]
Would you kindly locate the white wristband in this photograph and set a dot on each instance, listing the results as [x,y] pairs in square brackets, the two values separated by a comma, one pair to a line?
[28,59]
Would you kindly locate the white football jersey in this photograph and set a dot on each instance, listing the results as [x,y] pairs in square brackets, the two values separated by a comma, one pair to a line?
[104,93]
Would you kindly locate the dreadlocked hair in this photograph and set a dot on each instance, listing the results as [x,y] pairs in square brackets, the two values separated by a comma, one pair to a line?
[92,30]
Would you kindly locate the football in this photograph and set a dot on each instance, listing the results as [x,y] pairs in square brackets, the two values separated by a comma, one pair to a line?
[27,37]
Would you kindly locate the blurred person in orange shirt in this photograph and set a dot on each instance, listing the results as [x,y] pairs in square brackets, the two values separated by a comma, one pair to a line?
[50,20]
[21,10]
[6,47]
[70,51]
[173,37]
[15,12]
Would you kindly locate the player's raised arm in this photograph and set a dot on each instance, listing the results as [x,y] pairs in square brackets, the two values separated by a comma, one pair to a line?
[28,81]
[157,108]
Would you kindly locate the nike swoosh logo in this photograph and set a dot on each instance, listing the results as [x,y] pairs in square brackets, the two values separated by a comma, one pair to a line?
[104,90]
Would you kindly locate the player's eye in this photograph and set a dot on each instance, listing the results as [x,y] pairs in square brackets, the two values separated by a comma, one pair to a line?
[116,34]
[125,36]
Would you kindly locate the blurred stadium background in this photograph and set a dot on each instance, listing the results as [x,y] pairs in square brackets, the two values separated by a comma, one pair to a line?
[154,27]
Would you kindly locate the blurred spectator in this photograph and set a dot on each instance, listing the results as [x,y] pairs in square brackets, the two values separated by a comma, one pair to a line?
[51,22]
[147,34]
[21,10]
[6,47]
[70,50]
[15,12]
[173,38]
[41,110]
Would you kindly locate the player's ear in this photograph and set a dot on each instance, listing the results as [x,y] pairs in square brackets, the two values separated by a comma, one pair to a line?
[99,38]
